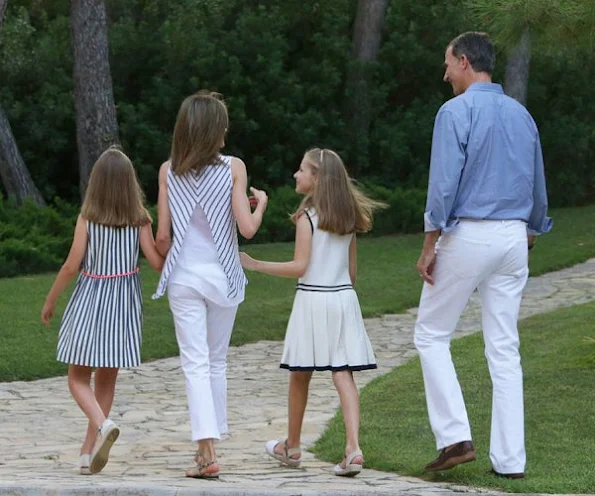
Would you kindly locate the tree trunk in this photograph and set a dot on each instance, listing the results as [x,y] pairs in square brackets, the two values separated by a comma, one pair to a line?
[96,123]
[516,78]
[13,171]
[367,35]
[3,4]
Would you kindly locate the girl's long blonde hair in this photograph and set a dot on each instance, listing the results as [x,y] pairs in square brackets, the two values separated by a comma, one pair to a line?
[114,196]
[199,132]
[341,207]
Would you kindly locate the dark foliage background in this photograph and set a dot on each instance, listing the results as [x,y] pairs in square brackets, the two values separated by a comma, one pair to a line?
[282,65]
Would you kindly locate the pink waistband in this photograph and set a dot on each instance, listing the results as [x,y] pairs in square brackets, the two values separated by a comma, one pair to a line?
[110,276]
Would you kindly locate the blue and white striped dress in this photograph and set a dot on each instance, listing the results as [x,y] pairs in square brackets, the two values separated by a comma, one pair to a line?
[102,323]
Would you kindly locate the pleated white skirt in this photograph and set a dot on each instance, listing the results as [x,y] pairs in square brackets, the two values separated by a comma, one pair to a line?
[326,332]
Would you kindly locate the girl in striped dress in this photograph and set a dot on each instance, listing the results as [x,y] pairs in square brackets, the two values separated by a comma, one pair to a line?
[101,326]
[325,330]
[202,195]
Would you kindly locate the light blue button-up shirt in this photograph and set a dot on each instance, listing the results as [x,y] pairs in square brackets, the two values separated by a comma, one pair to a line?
[486,162]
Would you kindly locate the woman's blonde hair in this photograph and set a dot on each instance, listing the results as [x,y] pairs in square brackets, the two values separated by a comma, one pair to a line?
[114,196]
[341,207]
[199,132]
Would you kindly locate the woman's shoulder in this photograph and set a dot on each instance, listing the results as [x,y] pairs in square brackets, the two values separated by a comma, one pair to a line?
[234,162]
[165,167]
[236,166]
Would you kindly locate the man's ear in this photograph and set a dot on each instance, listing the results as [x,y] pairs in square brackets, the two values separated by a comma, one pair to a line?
[464,61]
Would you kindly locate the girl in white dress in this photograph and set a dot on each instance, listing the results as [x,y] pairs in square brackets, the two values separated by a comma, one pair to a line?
[326,329]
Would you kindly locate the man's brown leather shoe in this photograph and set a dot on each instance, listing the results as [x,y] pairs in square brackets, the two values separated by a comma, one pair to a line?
[452,455]
[519,475]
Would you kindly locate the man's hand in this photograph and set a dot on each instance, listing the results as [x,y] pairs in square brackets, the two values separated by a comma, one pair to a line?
[427,259]
[530,241]
[425,265]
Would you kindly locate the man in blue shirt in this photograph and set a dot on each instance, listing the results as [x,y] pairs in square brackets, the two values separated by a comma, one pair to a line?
[486,203]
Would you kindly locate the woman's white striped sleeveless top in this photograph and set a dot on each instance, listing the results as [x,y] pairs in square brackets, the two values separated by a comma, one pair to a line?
[211,189]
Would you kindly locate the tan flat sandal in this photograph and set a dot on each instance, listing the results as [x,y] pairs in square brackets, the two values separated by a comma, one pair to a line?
[351,469]
[285,457]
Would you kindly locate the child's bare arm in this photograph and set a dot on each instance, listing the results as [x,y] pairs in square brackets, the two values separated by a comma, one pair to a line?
[149,248]
[163,242]
[353,260]
[248,221]
[69,269]
[301,257]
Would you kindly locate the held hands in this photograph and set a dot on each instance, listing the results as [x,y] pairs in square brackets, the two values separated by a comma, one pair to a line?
[258,197]
[47,312]
[247,261]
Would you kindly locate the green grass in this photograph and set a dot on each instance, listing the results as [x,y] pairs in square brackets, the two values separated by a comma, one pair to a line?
[387,283]
[559,371]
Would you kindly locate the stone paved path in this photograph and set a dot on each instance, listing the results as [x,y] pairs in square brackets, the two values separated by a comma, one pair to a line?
[41,427]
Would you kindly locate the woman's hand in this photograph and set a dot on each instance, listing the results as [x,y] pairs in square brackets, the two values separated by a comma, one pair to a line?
[248,221]
[259,197]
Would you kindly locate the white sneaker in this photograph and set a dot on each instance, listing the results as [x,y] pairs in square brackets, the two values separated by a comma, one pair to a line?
[84,464]
[107,435]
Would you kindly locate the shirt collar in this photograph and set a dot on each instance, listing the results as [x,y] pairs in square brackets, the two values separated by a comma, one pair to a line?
[494,87]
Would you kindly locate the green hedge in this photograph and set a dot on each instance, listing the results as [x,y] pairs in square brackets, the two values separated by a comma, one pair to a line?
[282,66]
[37,239]
[34,239]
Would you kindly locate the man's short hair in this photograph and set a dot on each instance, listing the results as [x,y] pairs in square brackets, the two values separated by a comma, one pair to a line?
[478,49]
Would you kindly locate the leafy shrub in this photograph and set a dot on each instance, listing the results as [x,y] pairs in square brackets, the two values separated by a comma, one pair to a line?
[34,239]
[282,66]
[37,239]
[276,225]
[404,213]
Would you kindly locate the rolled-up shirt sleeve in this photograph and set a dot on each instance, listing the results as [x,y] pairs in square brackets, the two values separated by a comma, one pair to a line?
[539,222]
[449,142]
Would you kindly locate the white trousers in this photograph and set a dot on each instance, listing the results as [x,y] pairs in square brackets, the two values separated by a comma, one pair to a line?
[492,257]
[203,332]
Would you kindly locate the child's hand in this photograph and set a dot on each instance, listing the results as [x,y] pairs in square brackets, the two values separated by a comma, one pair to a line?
[47,312]
[247,261]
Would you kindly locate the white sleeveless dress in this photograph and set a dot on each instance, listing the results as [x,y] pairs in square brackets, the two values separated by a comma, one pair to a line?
[326,330]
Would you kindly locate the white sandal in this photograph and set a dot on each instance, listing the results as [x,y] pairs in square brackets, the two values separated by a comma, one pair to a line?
[286,456]
[351,469]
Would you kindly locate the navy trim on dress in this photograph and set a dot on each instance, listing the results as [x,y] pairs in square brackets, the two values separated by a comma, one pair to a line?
[309,219]
[322,289]
[351,368]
